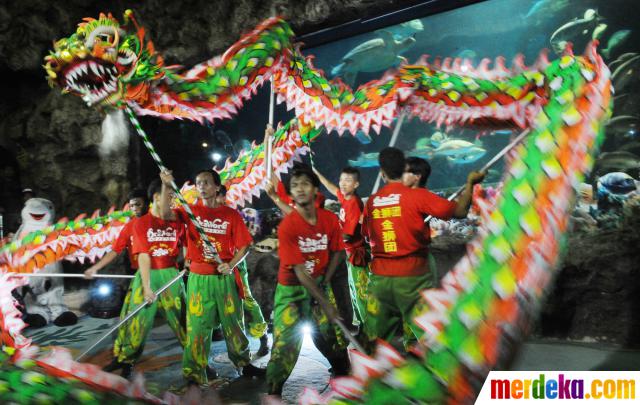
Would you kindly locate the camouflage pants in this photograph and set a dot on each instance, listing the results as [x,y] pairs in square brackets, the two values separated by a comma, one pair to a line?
[129,343]
[392,304]
[257,325]
[359,287]
[213,300]
[293,307]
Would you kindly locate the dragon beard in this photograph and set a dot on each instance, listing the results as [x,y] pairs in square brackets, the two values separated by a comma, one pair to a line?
[115,133]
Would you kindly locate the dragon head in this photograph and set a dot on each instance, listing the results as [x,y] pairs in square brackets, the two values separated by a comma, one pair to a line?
[104,62]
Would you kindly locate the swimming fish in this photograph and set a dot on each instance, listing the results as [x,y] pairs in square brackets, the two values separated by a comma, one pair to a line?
[406,29]
[365,160]
[458,151]
[616,40]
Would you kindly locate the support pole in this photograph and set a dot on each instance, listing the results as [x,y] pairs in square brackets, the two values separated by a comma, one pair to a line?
[392,142]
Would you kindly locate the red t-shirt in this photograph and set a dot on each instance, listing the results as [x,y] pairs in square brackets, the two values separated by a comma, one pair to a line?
[125,241]
[286,198]
[224,228]
[350,216]
[394,224]
[303,243]
[160,239]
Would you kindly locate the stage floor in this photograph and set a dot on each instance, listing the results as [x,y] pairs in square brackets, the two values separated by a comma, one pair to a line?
[162,360]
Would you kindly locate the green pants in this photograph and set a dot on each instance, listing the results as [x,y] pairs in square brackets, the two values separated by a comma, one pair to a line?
[129,343]
[392,304]
[257,325]
[213,300]
[359,287]
[293,307]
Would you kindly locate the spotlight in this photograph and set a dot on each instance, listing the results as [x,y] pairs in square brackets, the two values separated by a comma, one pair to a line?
[216,156]
[306,329]
[104,290]
[105,299]
[204,144]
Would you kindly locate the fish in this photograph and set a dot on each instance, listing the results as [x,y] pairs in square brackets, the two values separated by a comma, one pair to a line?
[437,138]
[363,138]
[406,29]
[467,54]
[622,123]
[615,41]
[618,161]
[576,30]
[625,72]
[365,160]
[616,183]
[545,6]
[458,151]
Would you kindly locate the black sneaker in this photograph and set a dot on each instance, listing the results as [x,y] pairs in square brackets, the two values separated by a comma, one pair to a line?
[252,371]
[113,366]
[126,370]
[212,374]
[264,346]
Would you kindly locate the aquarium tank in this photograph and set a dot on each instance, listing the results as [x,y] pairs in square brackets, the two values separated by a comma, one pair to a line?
[495,29]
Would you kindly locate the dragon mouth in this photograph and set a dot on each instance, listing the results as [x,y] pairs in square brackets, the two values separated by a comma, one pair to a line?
[93,80]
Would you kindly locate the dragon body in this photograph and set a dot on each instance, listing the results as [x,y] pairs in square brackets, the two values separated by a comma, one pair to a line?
[482,311]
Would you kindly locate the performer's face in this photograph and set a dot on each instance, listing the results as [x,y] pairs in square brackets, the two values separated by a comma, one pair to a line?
[348,183]
[206,186]
[302,190]
[136,205]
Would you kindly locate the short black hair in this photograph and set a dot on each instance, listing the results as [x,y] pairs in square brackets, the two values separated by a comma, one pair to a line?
[419,167]
[391,162]
[352,171]
[222,191]
[216,176]
[302,169]
[138,192]
[154,187]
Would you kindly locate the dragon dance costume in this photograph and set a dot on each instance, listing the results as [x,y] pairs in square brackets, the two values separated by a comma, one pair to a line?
[475,321]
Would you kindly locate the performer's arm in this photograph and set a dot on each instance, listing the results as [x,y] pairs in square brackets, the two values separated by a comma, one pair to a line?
[144,263]
[165,196]
[334,259]
[310,285]
[464,201]
[106,259]
[333,189]
[271,192]
[227,268]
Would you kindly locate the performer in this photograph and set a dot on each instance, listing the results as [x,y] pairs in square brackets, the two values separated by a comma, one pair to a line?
[393,222]
[214,291]
[256,323]
[351,208]
[138,204]
[156,243]
[310,249]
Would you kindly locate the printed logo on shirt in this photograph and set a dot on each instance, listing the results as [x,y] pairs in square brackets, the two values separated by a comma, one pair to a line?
[309,245]
[391,199]
[159,252]
[161,235]
[342,216]
[217,226]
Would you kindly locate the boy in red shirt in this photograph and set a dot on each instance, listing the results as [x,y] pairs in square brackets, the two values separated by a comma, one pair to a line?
[351,208]
[393,222]
[156,243]
[310,249]
[138,204]
[213,290]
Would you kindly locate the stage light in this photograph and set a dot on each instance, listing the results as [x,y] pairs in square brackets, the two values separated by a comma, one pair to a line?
[204,144]
[216,156]
[104,290]
[306,329]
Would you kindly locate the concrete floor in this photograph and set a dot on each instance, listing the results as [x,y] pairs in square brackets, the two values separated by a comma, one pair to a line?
[161,361]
